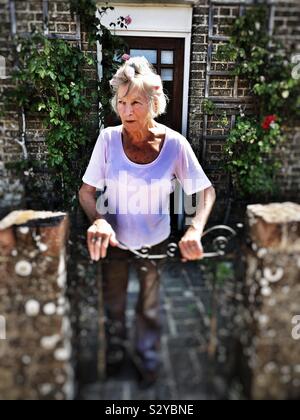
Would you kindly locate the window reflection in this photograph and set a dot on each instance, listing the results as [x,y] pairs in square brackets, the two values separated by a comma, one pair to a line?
[151,55]
[167,57]
[167,75]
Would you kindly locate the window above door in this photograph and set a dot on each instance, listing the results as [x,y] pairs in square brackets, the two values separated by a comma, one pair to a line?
[165,17]
[160,2]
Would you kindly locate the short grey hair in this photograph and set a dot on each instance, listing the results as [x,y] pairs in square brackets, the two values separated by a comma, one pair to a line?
[138,72]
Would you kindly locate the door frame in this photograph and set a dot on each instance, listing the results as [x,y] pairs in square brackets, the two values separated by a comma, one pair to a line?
[171,21]
[183,31]
[167,44]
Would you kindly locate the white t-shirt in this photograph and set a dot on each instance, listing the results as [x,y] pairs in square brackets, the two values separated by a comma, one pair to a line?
[135,197]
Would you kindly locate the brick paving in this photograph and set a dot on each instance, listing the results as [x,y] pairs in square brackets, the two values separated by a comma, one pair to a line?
[200,302]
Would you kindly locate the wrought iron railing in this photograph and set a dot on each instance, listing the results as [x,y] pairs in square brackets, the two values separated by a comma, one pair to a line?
[218,246]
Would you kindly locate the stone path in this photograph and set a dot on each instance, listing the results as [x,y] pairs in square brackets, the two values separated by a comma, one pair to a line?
[200,355]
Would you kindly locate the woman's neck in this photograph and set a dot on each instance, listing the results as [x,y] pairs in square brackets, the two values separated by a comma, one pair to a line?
[140,136]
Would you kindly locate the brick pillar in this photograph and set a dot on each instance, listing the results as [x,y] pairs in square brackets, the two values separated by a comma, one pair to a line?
[273,300]
[36,354]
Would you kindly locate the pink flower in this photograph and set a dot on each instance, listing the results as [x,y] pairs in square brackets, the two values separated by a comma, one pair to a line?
[128,20]
[125,57]
[158,89]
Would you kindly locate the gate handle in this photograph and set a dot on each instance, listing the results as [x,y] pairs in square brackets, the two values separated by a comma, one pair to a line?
[220,243]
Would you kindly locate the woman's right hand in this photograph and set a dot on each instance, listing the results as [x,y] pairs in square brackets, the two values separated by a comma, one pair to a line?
[99,236]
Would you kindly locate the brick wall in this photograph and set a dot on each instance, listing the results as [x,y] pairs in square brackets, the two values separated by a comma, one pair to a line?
[286,28]
[10,187]
[29,14]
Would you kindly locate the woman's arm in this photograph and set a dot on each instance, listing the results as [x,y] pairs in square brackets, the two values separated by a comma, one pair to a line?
[100,235]
[88,202]
[190,244]
[207,199]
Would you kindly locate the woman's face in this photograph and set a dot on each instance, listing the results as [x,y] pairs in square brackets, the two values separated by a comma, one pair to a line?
[133,108]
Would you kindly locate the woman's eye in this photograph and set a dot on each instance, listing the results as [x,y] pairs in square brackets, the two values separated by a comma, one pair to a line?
[123,103]
[133,103]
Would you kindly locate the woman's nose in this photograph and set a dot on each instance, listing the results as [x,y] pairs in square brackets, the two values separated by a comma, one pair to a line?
[128,110]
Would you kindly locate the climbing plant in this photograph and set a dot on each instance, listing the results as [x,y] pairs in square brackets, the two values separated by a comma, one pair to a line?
[251,146]
[42,85]
[112,46]
[51,80]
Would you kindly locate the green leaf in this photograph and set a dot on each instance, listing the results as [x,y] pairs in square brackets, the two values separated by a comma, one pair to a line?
[41,106]
[52,75]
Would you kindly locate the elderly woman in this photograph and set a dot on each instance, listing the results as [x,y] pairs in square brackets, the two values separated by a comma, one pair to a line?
[141,156]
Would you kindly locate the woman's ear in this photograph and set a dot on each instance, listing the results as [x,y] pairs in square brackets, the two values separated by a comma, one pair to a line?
[156,105]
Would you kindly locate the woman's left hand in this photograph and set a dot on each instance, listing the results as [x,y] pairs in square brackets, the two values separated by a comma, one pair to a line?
[190,246]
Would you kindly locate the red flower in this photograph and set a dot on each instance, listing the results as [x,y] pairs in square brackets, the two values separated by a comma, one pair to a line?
[268,120]
[128,20]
